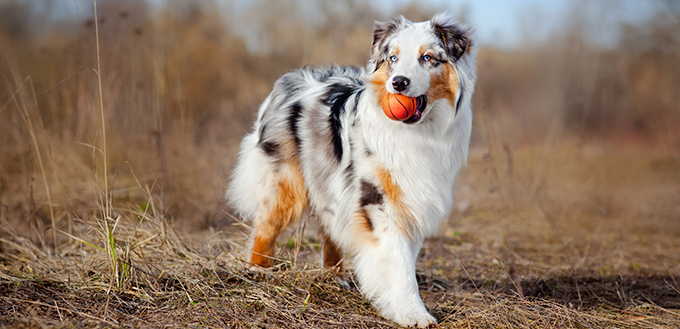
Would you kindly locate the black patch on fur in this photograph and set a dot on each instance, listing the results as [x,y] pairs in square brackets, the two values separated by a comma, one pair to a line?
[293,119]
[370,194]
[453,39]
[270,148]
[460,97]
[336,96]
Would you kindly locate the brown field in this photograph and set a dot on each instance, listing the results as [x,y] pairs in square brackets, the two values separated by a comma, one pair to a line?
[550,239]
[113,171]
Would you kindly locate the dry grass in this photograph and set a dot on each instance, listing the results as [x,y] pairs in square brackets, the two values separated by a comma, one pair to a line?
[498,262]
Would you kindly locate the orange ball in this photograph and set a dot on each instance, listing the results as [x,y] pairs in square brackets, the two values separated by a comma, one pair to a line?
[399,107]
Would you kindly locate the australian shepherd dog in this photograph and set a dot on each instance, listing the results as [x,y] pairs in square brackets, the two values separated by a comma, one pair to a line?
[377,186]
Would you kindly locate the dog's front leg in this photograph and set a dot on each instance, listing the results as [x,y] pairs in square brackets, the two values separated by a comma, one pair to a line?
[387,276]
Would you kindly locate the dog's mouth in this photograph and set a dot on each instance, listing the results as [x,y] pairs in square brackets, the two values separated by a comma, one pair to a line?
[421,104]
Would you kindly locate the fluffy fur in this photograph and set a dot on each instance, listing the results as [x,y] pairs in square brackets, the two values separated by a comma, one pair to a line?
[378,187]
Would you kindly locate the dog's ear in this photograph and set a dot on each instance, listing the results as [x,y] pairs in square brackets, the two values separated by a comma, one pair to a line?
[381,33]
[455,38]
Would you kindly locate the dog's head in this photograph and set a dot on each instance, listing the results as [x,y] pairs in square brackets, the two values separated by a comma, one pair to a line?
[419,59]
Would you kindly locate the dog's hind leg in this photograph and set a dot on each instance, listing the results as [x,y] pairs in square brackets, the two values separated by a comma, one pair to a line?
[332,255]
[286,200]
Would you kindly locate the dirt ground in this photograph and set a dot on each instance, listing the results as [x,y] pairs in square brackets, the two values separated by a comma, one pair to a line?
[567,235]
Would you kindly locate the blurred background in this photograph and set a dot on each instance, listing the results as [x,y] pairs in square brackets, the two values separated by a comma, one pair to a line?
[181,82]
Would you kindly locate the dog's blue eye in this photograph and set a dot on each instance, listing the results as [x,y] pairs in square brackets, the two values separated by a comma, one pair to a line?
[393,58]
[427,58]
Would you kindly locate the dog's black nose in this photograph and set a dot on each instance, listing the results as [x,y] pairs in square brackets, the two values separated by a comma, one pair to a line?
[400,83]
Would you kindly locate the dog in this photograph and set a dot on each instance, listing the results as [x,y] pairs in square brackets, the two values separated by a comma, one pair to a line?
[378,187]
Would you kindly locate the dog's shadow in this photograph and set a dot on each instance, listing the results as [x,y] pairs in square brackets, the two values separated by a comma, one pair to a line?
[584,292]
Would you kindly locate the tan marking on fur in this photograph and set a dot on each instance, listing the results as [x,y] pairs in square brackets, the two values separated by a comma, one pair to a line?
[263,250]
[332,255]
[292,194]
[378,79]
[444,85]
[366,223]
[391,189]
[454,85]
[396,50]
[421,50]
[404,219]
[290,201]
[441,32]
[362,228]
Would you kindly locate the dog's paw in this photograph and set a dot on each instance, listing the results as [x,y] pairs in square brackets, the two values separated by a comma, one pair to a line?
[417,320]
[343,283]
[254,271]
